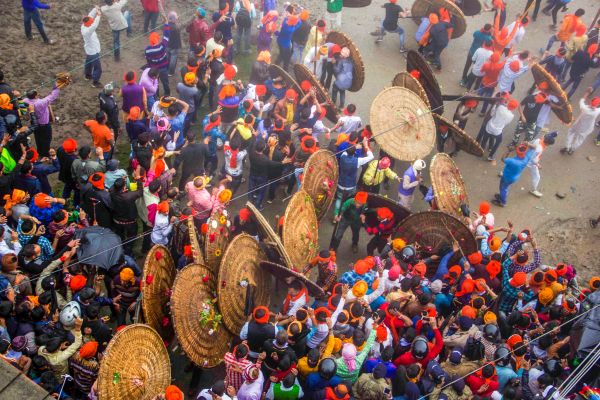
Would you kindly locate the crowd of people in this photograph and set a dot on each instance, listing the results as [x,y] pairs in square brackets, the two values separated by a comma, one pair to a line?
[403,322]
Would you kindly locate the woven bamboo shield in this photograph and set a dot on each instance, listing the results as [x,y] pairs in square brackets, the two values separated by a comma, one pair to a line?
[240,276]
[276,71]
[375,201]
[434,229]
[461,138]
[469,7]
[196,250]
[216,238]
[356,3]
[415,61]
[282,273]
[405,128]
[342,40]
[422,8]
[303,74]
[448,185]
[406,80]
[301,230]
[137,352]
[565,112]
[198,324]
[319,180]
[157,281]
[272,238]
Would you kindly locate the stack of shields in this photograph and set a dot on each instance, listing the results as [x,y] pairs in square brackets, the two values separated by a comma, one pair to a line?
[242,284]
[216,238]
[565,111]
[301,230]
[319,180]
[422,8]
[277,72]
[433,230]
[197,319]
[356,3]
[157,281]
[416,62]
[283,273]
[406,80]
[196,250]
[405,128]
[135,365]
[271,238]
[461,138]
[448,186]
[302,73]
[342,40]
[375,201]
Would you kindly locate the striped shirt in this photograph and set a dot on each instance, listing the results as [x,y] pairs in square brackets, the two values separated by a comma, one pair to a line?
[513,268]
[234,369]
[157,56]
[84,372]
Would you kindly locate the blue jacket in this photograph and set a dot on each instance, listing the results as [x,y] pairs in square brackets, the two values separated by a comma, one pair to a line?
[32,5]
[285,34]
[348,171]
[42,170]
[343,70]
[214,134]
[479,37]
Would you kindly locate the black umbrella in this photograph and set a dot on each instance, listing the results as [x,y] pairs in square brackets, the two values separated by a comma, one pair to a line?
[99,246]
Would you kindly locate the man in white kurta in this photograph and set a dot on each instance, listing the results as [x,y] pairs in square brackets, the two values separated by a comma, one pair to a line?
[584,124]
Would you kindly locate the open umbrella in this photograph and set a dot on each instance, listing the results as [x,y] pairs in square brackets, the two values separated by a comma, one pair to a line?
[99,246]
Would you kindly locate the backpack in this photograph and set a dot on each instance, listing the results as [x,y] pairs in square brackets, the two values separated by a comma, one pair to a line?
[242,19]
[474,349]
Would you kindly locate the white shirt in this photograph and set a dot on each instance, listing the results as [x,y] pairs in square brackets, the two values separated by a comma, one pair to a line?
[584,124]
[350,123]
[114,15]
[91,44]
[480,57]
[251,390]
[538,149]
[501,116]
[518,35]
[6,249]
[309,59]
[544,114]
[508,76]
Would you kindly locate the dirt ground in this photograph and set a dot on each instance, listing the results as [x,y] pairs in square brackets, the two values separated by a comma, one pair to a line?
[560,224]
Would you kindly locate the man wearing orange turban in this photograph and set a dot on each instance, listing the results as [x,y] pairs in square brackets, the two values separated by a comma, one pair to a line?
[351,215]
[157,56]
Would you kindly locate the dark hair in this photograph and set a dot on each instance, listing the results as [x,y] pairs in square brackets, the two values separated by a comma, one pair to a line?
[545,380]
[172,192]
[6,308]
[27,226]
[296,285]
[488,43]
[387,354]
[235,142]
[487,27]
[153,73]
[524,54]
[49,382]
[173,109]
[39,363]
[358,337]
[4,346]
[92,311]
[38,313]
[525,20]
[26,167]
[154,186]
[289,380]
[259,145]
[218,36]
[258,314]
[425,298]
[249,119]
[53,344]
[58,215]
[84,151]
[241,351]
[119,184]
[45,298]
[579,12]
[100,117]
[1,75]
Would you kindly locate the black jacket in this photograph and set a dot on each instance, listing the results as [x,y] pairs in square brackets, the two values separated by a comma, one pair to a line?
[109,105]
[124,203]
[97,204]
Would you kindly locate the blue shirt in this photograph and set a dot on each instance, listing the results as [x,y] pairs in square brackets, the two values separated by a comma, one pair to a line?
[32,5]
[371,363]
[479,38]
[214,134]
[177,125]
[513,168]
[505,374]
[285,34]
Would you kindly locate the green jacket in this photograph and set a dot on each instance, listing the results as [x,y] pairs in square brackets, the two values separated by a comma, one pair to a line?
[335,6]
[342,368]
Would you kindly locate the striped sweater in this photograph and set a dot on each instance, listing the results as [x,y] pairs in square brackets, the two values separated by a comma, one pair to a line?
[157,56]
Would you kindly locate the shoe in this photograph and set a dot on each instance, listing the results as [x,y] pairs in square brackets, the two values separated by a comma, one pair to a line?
[87,78]
[403,50]
[462,83]
[171,74]
[593,223]
[498,203]
[97,85]
[570,151]
[497,196]
[29,37]
[597,142]
[536,193]
[269,201]
[379,40]
[50,42]
[490,159]
[354,248]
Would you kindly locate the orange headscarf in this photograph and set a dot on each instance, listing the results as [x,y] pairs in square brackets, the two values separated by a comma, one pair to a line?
[17,197]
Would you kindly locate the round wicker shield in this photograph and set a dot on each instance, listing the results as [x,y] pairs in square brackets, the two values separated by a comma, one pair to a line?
[196,250]
[216,238]
[565,111]
[276,71]
[198,324]
[403,124]
[462,139]
[356,3]
[358,77]
[303,74]
[375,201]
[240,276]
[272,238]
[434,229]
[283,273]
[301,230]
[406,80]
[469,7]
[157,281]
[319,180]
[136,352]
[422,8]
[448,186]
[415,61]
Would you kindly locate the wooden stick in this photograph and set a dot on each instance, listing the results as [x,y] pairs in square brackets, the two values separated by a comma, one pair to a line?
[453,238]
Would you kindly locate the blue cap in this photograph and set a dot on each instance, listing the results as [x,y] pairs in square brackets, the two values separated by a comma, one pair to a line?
[201,11]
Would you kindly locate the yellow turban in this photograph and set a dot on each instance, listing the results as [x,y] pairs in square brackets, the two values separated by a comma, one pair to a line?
[360,289]
[398,244]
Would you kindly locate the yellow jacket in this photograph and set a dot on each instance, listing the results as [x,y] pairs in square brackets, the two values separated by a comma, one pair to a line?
[304,369]
[374,176]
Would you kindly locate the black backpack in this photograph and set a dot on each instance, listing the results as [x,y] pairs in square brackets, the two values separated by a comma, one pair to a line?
[474,349]
[242,19]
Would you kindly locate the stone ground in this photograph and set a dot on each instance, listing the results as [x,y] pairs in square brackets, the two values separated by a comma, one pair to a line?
[560,224]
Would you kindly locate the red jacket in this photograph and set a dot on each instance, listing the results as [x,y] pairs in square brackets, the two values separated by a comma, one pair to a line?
[150,5]
[475,382]
[199,31]
[407,358]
